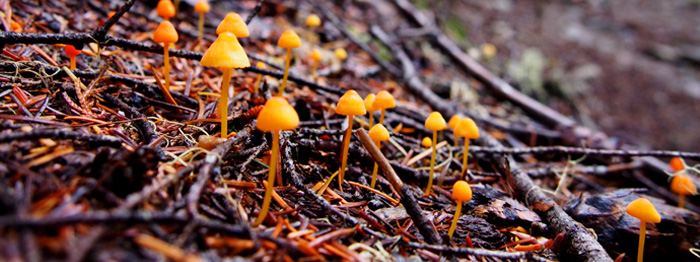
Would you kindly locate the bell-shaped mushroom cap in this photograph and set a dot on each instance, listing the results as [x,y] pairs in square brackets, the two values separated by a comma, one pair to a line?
[461,191]
[260,64]
[341,54]
[677,164]
[683,185]
[643,210]
[165,33]
[379,133]
[225,52]
[289,39]
[383,100]
[435,122]
[454,120]
[315,55]
[369,103]
[71,51]
[233,22]
[165,9]
[466,128]
[313,20]
[427,142]
[277,115]
[202,6]
[350,104]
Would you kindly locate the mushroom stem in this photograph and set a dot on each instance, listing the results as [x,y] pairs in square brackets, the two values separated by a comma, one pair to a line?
[166,66]
[465,157]
[374,171]
[72,62]
[201,28]
[455,219]
[681,200]
[286,72]
[642,235]
[371,118]
[432,164]
[381,117]
[344,155]
[313,71]
[270,178]
[257,84]
[223,101]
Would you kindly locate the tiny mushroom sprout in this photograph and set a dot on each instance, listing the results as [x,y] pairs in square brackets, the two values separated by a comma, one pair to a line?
[225,53]
[436,123]
[277,115]
[165,9]
[313,21]
[426,142]
[316,56]
[378,133]
[644,210]
[201,7]
[233,22]
[683,185]
[369,106]
[72,53]
[350,104]
[466,128]
[341,54]
[288,40]
[259,79]
[165,34]
[383,101]
[461,192]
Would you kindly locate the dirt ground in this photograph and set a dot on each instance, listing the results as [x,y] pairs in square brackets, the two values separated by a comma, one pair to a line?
[629,68]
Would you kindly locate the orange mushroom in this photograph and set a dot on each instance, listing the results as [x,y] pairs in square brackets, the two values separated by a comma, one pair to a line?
[683,185]
[383,101]
[288,40]
[466,128]
[313,21]
[165,34]
[16,27]
[234,23]
[201,7]
[461,192]
[225,53]
[259,79]
[644,210]
[350,104]
[426,142]
[377,133]
[165,9]
[341,54]
[72,53]
[454,120]
[677,164]
[277,115]
[369,106]
[436,123]
[316,56]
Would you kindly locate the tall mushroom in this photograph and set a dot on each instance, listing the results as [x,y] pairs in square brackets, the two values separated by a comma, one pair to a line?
[165,34]
[201,7]
[234,23]
[369,106]
[316,57]
[461,192]
[165,9]
[644,210]
[277,115]
[454,120]
[436,123]
[288,40]
[383,101]
[466,128]
[377,133]
[683,186]
[225,53]
[350,104]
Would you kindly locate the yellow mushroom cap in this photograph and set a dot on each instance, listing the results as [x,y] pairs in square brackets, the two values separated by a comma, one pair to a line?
[315,55]
[383,100]
[454,120]
[461,191]
[165,33]
[350,104]
[677,164]
[683,185]
[643,210]
[435,122]
[369,102]
[202,6]
[489,50]
[466,128]
[313,20]
[233,22]
[379,133]
[260,65]
[341,54]
[289,39]
[225,52]
[276,115]
[165,9]
[427,142]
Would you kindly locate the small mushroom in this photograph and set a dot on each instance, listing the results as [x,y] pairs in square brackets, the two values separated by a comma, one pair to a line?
[313,21]
[383,101]
[683,186]
[201,7]
[644,210]
[341,54]
[369,106]
[461,192]
[452,123]
[466,128]
[259,79]
[426,142]
[165,34]
[436,123]
[350,104]
[316,57]
[165,9]
[377,133]
[234,23]
[72,53]
[288,40]
[677,164]
[277,115]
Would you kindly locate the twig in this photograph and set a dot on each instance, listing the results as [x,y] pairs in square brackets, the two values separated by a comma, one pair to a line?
[93,140]
[584,151]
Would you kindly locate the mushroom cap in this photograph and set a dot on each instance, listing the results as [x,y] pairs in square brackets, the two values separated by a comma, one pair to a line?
[202,6]
[466,128]
[289,39]
[454,120]
[435,122]
[260,64]
[225,52]
[70,50]
[313,20]
[369,103]
[383,100]
[233,22]
[683,185]
[461,191]
[276,115]
[677,164]
[644,210]
[165,9]
[427,142]
[379,133]
[350,104]
[340,53]
[165,33]
[315,55]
